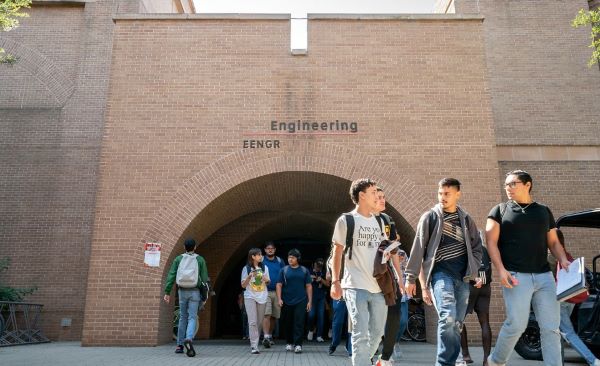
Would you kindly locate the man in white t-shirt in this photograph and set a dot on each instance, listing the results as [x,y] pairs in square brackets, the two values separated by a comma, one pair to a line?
[365,302]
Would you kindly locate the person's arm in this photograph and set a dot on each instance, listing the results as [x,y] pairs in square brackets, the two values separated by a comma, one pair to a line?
[425,293]
[413,267]
[246,277]
[266,277]
[399,273]
[336,264]
[492,235]
[278,292]
[203,269]
[557,249]
[171,279]
[309,294]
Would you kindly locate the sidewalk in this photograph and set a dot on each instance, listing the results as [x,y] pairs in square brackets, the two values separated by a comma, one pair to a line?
[218,352]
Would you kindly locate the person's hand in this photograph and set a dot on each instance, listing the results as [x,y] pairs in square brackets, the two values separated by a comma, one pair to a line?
[427,296]
[167,298]
[507,280]
[336,290]
[308,307]
[401,287]
[411,288]
[565,264]
[280,302]
[478,282]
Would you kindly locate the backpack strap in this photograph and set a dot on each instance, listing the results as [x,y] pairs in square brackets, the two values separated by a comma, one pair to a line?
[349,235]
[285,271]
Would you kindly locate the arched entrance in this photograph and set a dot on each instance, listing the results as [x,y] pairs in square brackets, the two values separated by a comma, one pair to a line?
[294,209]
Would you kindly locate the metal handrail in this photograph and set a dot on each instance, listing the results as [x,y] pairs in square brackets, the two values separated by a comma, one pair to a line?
[14,329]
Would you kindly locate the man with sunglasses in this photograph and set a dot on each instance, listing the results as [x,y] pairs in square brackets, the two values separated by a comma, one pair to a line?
[519,233]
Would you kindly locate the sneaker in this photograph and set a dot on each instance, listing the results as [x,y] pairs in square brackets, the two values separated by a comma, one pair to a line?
[289,347]
[320,339]
[381,362]
[331,350]
[492,363]
[179,349]
[271,341]
[397,352]
[330,333]
[310,336]
[254,351]
[189,348]
[266,343]
[298,349]
[597,362]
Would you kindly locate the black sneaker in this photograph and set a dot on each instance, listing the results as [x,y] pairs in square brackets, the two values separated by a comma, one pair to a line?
[331,350]
[189,348]
[179,349]
[266,343]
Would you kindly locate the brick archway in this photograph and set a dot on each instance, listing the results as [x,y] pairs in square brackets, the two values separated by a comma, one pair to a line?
[208,184]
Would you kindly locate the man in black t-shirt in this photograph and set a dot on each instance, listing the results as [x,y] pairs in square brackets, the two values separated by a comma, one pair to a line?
[519,234]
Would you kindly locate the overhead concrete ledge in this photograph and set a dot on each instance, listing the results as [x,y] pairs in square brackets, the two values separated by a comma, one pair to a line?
[213,16]
[325,16]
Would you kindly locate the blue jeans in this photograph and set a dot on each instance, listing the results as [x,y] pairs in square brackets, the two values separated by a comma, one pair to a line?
[569,334]
[189,301]
[339,325]
[368,313]
[317,310]
[450,297]
[403,319]
[537,290]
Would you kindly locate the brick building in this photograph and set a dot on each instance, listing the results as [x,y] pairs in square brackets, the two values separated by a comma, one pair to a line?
[120,128]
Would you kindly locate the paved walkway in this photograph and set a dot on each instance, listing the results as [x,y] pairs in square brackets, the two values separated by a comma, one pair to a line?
[235,353]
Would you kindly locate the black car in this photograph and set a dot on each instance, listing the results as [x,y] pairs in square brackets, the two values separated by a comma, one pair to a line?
[585,316]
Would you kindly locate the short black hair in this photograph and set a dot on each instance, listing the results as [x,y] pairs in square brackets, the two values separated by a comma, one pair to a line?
[189,244]
[450,182]
[523,176]
[360,185]
[294,253]
[269,244]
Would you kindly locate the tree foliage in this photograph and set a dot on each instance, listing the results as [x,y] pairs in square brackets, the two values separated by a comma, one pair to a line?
[8,293]
[10,12]
[591,18]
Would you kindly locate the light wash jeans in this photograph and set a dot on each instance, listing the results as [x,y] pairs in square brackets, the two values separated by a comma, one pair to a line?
[450,297]
[189,301]
[569,334]
[368,313]
[537,290]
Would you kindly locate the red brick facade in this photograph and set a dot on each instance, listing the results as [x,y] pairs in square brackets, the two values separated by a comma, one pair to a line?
[119,133]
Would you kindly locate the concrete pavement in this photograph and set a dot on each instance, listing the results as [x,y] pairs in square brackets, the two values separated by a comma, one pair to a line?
[219,352]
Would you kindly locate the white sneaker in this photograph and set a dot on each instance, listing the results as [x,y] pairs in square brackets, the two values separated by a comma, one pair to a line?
[492,363]
[597,362]
[320,339]
[310,336]
[397,352]
[298,349]
[289,347]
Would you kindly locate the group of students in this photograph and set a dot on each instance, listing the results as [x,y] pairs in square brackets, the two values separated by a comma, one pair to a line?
[446,257]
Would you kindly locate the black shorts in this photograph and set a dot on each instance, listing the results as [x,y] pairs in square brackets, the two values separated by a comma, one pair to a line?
[479,299]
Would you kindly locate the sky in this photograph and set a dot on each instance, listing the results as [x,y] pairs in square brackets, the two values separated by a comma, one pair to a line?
[299,9]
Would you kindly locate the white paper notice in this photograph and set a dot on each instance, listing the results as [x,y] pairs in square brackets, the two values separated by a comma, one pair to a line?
[152,254]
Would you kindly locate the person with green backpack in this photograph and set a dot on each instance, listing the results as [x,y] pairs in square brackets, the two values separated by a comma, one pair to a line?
[189,272]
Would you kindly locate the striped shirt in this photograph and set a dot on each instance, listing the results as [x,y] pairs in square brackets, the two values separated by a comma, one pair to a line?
[451,256]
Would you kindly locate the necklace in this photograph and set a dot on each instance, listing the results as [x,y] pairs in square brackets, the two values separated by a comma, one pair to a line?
[522,208]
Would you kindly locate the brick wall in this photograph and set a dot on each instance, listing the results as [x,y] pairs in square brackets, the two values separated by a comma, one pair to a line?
[51,120]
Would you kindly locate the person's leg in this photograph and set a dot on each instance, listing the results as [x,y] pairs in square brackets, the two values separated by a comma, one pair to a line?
[266,321]
[299,321]
[392,324]
[320,317]
[312,315]
[482,307]
[245,334]
[193,305]
[377,307]
[464,345]
[447,294]
[569,334]
[358,312]
[403,320]
[252,312]
[288,321]
[547,314]
[517,303]
[183,314]
[339,312]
